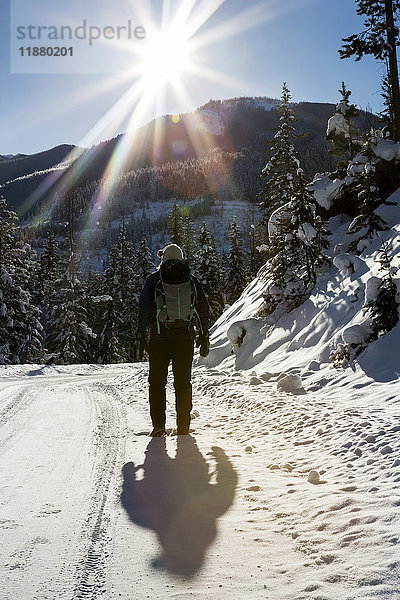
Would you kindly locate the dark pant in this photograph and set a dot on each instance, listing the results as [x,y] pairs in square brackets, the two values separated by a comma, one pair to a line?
[161,353]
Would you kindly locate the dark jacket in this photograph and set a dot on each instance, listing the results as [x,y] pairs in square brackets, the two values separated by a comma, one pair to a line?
[147,311]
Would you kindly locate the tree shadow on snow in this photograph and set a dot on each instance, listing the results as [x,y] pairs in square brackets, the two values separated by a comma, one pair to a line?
[178,502]
[35,372]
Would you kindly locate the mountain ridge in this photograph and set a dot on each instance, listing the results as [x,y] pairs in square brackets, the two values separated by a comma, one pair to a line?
[232,124]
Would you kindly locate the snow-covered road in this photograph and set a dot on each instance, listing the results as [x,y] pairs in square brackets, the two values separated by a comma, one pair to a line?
[61,445]
[91,507]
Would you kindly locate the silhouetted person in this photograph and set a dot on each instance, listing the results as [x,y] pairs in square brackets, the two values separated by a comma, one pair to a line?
[176,499]
[171,304]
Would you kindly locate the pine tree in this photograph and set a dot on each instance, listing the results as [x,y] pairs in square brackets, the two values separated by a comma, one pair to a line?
[49,269]
[386,114]
[208,270]
[310,237]
[123,283]
[69,337]
[95,285]
[384,309]
[49,272]
[8,221]
[367,222]
[341,131]
[281,171]
[30,330]
[109,349]
[297,242]
[20,327]
[235,278]
[258,253]
[96,305]
[175,225]
[188,239]
[379,38]
[145,261]
[11,299]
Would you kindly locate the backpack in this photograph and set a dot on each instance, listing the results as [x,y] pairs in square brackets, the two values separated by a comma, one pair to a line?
[175,295]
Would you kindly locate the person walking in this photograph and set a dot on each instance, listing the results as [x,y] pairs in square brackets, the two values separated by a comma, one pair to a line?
[173,307]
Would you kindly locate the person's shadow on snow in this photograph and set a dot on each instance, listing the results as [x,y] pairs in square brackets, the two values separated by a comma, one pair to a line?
[176,499]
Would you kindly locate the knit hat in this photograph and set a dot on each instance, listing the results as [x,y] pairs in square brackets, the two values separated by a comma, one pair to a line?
[170,252]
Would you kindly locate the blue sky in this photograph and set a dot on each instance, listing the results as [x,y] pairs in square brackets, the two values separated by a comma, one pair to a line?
[297,42]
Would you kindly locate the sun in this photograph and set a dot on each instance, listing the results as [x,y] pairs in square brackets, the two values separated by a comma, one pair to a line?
[168,65]
[166,56]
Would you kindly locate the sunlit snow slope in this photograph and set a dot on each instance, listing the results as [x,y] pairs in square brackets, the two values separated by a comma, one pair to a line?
[304,338]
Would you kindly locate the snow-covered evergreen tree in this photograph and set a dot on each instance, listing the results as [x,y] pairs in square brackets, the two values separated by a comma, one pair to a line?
[69,337]
[384,306]
[281,171]
[298,238]
[175,225]
[110,351]
[368,223]
[49,269]
[341,131]
[277,270]
[145,261]
[208,270]
[48,273]
[20,327]
[8,222]
[310,236]
[124,286]
[235,274]
[9,299]
[188,239]
[30,325]
[103,319]
[95,285]
[108,344]
[386,114]
[96,305]
[258,251]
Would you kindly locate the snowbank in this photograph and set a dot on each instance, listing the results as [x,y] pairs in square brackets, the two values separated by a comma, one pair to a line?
[358,334]
[387,150]
[348,263]
[289,383]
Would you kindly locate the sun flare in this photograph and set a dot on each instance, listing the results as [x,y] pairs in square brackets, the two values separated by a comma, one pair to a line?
[166,57]
[174,57]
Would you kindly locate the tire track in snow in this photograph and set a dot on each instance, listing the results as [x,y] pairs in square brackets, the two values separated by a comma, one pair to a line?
[18,403]
[27,394]
[109,440]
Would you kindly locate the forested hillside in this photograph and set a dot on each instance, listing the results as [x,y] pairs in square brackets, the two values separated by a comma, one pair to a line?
[243,125]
